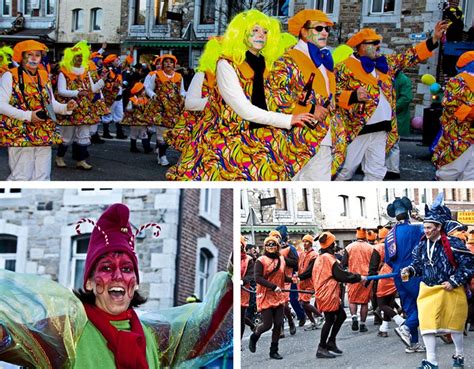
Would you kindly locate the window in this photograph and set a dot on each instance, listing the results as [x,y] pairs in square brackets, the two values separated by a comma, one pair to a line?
[161,7]
[140,12]
[205,258]
[6,7]
[96,19]
[281,202]
[280,8]
[382,6]
[79,251]
[423,196]
[8,249]
[208,10]
[10,192]
[78,20]
[363,212]
[302,200]
[206,265]
[326,6]
[344,205]
[209,207]
[50,7]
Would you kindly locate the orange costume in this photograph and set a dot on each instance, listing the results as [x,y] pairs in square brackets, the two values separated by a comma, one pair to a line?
[267,298]
[385,286]
[244,263]
[326,289]
[358,254]
[306,258]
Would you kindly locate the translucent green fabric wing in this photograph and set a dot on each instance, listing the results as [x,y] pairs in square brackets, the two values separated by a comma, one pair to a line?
[40,321]
[192,335]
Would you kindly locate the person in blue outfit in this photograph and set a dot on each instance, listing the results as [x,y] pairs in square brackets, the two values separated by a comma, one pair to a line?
[399,244]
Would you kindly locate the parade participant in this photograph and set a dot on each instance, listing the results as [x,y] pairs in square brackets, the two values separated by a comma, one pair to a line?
[137,120]
[306,75]
[77,80]
[305,276]
[444,265]
[328,273]
[97,58]
[386,289]
[470,316]
[27,109]
[453,153]
[165,88]
[246,276]
[270,275]
[45,325]
[112,92]
[356,258]
[6,54]
[244,140]
[366,99]
[371,237]
[399,245]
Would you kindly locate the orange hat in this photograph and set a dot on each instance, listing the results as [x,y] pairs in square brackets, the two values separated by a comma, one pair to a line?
[275,233]
[470,240]
[371,235]
[326,239]
[382,232]
[361,233]
[110,58]
[465,59]
[271,238]
[96,54]
[308,237]
[168,56]
[137,87]
[157,60]
[365,34]
[29,45]
[297,22]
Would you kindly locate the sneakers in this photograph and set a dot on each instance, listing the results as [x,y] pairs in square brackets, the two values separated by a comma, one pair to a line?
[60,163]
[333,349]
[404,333]
[425,364]
[320,321]
[458,362]
[355,324]
[363,328]
[416,347]
[163,161]
[311,327]
[83,165]
[382,334]
[323,353]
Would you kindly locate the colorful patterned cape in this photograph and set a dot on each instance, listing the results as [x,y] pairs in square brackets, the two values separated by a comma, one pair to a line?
[228,148]
[112,87]
[137,116]
[41,323]
[457,120]
[17,133]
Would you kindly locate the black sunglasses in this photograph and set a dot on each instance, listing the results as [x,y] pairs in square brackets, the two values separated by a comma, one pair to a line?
[271,244]
[375,42]
[320,28]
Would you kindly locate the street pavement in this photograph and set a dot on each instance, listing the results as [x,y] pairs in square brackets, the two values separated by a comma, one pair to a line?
[360,351]
[113,161]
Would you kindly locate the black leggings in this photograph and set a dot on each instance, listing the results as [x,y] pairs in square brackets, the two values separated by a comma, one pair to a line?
[386,304]
[244,320]
[271,316]
[333,323]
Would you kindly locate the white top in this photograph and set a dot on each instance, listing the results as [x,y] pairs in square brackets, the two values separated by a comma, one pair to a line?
[150,85]
[194,100]
[233,94]
[62,85]
[6,82]
[303,47]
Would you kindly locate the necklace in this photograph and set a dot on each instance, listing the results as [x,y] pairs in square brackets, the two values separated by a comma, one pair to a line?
[430,251]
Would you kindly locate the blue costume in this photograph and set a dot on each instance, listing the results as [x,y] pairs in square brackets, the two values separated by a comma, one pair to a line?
[398,255]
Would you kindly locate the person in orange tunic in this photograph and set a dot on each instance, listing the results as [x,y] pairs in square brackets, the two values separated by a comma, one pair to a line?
[357,257]
[270,275]
[246,276]
[328,273]
[305,276]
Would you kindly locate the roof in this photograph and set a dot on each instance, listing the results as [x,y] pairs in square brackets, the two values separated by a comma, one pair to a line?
[29,34]
[164,43]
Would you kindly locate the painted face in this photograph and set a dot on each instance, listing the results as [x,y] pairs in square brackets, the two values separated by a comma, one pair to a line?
[370,48]
[168,65]
[113,283]
[77,60]
[432,231]
[317,33]
[32,59]
[271,247]
[257,39]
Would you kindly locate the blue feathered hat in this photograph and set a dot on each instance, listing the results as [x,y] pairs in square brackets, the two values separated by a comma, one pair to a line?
[283,231]
[399,206]
[438,213]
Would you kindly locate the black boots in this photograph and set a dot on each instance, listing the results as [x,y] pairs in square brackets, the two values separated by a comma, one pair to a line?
[95,139]
[332,348]
[274,351]
[323,353]
[146,145]
[106,133]
[120,135]
[133,146]
[253,342]
[291,323]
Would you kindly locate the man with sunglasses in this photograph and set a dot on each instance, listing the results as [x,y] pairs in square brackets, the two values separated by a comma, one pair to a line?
[366,99]
[311,88]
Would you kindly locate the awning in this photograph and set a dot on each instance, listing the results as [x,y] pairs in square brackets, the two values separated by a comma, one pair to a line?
[291,228]
[41,35]
[164,43]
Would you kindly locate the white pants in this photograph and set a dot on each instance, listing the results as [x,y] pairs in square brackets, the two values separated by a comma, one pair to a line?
[138,132]
[29,163]
[461,169]
[78,134]
[94,129]
[368,149]
[392,160]
[318,168]
[116,113]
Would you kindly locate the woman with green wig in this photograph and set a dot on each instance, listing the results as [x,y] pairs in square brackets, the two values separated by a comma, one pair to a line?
[238,137]
[6,54]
